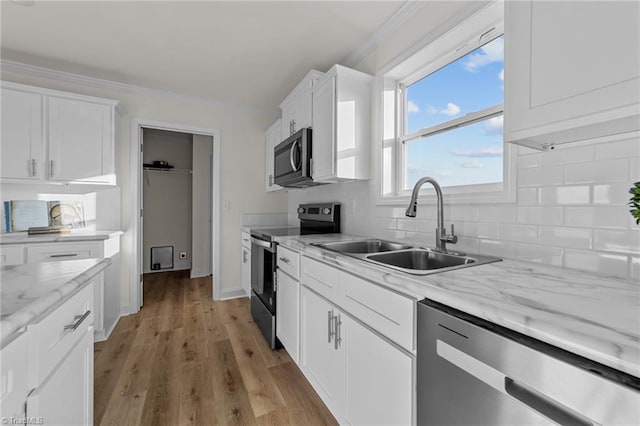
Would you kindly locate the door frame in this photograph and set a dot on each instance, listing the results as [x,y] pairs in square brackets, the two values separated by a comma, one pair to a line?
[137,124]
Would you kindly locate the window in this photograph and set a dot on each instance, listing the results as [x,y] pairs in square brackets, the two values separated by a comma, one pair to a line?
[443,113]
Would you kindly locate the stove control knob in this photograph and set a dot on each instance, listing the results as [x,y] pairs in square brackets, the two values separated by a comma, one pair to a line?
[301,210]
[326,210]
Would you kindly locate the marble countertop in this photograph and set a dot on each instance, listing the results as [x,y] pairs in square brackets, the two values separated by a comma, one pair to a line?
[27,292]
[595,316]
[74,235]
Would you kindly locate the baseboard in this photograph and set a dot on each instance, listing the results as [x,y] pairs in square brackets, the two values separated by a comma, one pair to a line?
[101,335]
[196,273]
[232,294]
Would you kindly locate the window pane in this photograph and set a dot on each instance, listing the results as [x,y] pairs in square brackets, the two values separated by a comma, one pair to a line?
[462,156]
[471,83]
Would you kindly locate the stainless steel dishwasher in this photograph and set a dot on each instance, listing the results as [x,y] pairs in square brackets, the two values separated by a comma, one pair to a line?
[473,372]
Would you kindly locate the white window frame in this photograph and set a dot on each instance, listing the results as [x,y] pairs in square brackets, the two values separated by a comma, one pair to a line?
[451,43]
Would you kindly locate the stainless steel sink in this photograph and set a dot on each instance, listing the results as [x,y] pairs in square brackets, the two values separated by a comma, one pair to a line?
[404,257]
[364,246]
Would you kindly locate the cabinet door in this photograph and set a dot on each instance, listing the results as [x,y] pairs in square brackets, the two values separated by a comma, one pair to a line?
[22,141]
[80,139]
[303,101]
[379,383]
[66,395]
[273,138]
[569,64]
[324,156]
[246,270]
[288,118]
[288,313]
[320,361]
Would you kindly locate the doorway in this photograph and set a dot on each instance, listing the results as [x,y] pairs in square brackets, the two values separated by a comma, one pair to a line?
[175,170]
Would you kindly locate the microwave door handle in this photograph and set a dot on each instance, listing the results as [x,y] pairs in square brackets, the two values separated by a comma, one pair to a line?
[291,159]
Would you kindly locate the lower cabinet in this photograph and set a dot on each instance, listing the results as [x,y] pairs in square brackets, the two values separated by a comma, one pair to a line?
[288,313]
[362,377]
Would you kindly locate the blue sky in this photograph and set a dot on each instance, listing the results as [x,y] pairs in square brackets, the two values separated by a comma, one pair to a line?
[471,154]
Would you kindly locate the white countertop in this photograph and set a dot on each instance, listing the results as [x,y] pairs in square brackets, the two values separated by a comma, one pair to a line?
[595,316]
[74,235]
[29,291]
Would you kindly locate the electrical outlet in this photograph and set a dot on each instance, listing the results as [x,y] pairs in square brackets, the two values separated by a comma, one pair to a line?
[183,255]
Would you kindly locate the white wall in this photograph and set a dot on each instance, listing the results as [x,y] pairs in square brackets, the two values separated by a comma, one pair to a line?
[571,203]
[242,164]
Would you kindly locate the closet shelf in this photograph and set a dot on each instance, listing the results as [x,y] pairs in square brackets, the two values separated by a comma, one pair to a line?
[165,170]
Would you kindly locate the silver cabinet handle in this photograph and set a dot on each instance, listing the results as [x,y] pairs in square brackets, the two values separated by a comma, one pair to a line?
[64,255]
[291,160]
[79,320]
[338,338]
[543,404]
[34,167]
[293,126]
[330,331]
[270,180]
[244,256]
[285,260]
[51,168]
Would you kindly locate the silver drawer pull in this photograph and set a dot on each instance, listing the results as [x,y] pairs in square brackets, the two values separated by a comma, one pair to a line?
[79,320]
[330,331]
[284,259]
[64,255]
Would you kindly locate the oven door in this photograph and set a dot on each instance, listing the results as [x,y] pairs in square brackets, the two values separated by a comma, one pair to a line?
[262,272]
[291,160]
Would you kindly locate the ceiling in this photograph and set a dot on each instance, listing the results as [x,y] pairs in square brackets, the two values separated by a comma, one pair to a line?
[249,53]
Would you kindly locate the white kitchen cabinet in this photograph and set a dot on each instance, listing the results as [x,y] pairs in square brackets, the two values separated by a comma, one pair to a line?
[297,106]
[320,361]
[341,125]
[11,254]
[246,263]
[13,377]
[272,138]
[572,70]
[81,140]
[22,137]
[52,136]
[288,314]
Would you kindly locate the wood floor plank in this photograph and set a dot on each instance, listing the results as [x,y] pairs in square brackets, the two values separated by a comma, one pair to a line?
[196,395]
[194,338]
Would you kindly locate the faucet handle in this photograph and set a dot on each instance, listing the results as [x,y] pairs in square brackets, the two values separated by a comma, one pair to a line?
[452,239]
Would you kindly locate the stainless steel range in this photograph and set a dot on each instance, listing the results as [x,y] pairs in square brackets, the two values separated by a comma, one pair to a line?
[323,218]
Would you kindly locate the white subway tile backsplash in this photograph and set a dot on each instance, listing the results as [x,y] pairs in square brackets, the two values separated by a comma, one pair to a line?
[597,171]
[410,225]
[627,241]
[525,233]
[486,230]
[593,261]
[540,215]
[597,217]
[635,269]
[463,213]
[566,237]
[527,196]
[562,195]
[505,249]
[618,149]
[383,222]
[537,176]
[634,169]
[499,213]
[612,193]
[539,254]
[568,156]
[530,160]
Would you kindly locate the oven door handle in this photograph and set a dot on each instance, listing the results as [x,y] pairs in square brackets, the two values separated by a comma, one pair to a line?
[260,243]
[291,159]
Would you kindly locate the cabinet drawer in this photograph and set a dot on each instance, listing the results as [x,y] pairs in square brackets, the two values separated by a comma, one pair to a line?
[63,251]
[11,255]
[387,312]
[57,333]
[320,277]
[289,261]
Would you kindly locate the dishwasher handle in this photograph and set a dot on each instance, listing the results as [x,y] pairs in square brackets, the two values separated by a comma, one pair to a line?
[544,405]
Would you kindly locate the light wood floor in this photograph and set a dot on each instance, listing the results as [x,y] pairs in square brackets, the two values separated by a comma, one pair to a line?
[186,359]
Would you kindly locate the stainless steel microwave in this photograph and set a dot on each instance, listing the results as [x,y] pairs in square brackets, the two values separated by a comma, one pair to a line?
[292,161]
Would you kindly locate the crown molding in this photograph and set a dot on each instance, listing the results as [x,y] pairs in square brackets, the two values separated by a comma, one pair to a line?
[389,26]
[42,72]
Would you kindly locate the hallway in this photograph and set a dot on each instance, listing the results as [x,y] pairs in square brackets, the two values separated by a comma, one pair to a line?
[186,359]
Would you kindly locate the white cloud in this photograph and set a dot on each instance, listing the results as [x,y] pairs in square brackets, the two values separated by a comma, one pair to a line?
[471,164]
[489,53]
[490,151]
[451,109]
[501,74]
[494,125]
[412,107]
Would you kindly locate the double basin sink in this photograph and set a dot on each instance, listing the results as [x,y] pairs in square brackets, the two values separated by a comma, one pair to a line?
[405,257]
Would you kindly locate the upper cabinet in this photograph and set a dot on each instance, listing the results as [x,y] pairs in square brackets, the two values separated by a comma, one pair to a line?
[272,138]
[572,70]
[341,125]
[296,107]
[51,136]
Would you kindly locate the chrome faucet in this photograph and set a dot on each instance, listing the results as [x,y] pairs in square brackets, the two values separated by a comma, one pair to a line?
[441,234]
